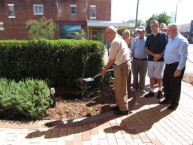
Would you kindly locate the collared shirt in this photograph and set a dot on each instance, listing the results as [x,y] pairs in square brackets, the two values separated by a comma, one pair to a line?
[156,44]
[137,48]
[177,51]
[119,51]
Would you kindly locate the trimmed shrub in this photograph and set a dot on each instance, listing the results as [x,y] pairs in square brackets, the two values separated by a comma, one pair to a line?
[59,62]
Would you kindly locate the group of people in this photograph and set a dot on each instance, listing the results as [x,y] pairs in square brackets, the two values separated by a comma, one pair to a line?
[161,55]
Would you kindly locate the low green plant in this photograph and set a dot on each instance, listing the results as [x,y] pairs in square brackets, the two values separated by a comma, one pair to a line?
[28,98]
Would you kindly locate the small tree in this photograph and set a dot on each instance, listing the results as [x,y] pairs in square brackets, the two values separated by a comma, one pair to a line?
[79,35]
[42,28]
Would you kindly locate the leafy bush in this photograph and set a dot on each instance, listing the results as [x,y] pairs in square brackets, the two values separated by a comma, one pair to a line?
[42,28]
[29,98]
[59,62]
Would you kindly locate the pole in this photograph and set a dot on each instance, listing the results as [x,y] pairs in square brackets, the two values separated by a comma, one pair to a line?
[177,3]
[136,18]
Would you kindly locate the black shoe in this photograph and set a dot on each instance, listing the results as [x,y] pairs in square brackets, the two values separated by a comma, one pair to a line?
[165,101]
[148,95]
[118,112]
[172,107]
[115,108]
[159,95]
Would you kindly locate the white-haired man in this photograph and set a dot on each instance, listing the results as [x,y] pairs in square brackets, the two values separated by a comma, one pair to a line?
[176,53]
[119,56]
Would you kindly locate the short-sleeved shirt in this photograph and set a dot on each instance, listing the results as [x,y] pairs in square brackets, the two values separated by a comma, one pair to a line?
[156,44]
[119,51]
[137,48]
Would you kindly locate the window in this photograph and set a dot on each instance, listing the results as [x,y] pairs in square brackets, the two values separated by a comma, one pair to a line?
[97,34]
[11,10]
[73,9]
[38,9]
[92,11]
[1,26]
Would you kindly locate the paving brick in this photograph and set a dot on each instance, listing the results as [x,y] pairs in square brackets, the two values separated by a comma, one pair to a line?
[86,133]
[149,124]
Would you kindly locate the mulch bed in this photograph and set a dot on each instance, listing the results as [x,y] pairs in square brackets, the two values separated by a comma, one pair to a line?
[100,100]
[188,78]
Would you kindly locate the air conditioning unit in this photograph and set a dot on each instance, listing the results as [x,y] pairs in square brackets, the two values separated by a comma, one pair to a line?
[92,18]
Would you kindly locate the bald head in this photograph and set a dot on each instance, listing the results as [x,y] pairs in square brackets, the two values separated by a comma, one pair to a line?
[111,33]
[111,29]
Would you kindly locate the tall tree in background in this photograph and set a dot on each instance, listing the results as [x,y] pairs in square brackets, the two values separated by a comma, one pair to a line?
[132,21]
[42,28]
[161,18]
[139,23]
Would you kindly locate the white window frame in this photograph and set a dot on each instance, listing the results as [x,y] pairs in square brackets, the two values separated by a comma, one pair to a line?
[11,11]
[38,6]
[92,9]
[74,13]
[1,26]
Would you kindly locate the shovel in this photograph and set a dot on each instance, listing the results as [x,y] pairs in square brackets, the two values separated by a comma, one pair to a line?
[92,79]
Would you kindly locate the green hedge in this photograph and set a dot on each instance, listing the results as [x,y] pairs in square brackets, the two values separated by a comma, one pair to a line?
[60,62]
[28,98]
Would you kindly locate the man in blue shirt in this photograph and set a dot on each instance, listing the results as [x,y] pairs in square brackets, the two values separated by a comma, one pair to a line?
[139,63]
[176,53]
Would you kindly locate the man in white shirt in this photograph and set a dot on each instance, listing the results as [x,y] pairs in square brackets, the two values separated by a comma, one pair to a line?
[120,57]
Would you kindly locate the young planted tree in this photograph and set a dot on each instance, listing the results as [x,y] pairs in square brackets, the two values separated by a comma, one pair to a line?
[42,28]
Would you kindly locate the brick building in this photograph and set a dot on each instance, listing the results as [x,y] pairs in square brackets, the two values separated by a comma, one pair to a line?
[69,15]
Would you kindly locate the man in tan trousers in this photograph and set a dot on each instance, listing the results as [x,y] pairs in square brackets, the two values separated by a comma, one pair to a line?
[120,57]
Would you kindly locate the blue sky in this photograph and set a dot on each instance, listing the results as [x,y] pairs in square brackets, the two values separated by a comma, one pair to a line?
[123,10]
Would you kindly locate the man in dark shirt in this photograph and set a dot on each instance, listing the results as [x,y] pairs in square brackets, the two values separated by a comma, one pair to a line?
[155,46]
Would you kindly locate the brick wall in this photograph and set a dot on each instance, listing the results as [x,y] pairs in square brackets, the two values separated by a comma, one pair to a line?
[58,10]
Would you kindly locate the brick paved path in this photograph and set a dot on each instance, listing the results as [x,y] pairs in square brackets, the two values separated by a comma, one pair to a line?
[149,123]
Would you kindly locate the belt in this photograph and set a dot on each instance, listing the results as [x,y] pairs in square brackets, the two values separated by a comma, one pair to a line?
[139,59]
[123,62]
[175,63]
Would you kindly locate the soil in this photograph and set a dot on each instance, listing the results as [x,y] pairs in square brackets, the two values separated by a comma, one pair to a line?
[97,101]
[71,104]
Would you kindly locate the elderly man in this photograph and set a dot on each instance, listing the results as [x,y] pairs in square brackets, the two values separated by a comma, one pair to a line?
[119,56]
[176,53]
[139,63]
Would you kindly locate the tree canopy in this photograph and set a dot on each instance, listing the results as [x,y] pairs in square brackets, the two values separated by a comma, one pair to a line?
[42,28]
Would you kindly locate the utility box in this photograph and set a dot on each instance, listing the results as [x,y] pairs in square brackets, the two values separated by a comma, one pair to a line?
[191,33]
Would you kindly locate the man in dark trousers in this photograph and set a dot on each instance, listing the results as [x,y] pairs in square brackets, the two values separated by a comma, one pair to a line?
[176,53]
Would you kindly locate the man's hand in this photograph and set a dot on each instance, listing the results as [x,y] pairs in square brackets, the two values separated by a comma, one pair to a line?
[156,57]
[177,73]
[103,73]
